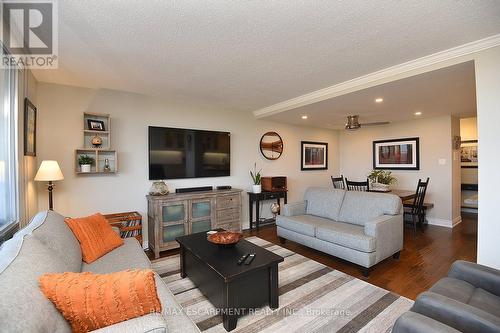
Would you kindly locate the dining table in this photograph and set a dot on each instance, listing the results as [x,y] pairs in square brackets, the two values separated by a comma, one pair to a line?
[403,194]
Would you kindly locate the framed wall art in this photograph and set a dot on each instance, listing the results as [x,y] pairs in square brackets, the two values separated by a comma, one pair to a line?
[397,154]
[469,154]
[314,156]
[29,128]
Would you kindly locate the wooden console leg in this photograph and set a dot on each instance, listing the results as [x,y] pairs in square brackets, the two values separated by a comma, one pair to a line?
[396,255]
[282,240]
[157,253]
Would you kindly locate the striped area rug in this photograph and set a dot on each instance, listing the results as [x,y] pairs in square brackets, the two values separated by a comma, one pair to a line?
[312,298]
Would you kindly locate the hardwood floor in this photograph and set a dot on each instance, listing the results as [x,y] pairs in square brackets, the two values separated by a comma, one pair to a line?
[425,258]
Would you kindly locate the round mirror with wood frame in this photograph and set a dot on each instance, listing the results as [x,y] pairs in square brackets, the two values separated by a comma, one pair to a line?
[271,145]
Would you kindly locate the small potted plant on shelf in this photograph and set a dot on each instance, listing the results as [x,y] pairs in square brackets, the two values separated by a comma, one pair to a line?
[85,162]
[381,180]
[256,177]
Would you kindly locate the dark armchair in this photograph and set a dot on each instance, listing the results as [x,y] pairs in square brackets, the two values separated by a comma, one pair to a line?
[467,301]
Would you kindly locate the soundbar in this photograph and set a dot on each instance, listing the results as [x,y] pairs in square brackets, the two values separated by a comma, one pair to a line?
[193,189]
[224,187]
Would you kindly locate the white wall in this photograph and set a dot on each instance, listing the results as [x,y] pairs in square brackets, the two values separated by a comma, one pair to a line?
[435,143]
[456,178]
[60,126]
[488,121]
[28,204]
[468,128]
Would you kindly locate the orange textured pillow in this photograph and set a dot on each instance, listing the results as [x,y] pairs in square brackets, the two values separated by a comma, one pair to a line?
[95,235]
[90,301]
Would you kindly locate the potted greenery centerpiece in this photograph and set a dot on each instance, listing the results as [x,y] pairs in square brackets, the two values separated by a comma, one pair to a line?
[256,177]
[381,180]
[85,162]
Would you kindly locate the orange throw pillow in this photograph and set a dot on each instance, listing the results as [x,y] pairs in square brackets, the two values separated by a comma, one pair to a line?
[90,301]
[95,235]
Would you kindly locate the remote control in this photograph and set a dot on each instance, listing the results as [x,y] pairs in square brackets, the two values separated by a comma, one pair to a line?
[250,258]
[242,259]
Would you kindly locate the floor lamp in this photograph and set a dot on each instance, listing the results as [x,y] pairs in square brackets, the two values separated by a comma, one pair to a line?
[50,172]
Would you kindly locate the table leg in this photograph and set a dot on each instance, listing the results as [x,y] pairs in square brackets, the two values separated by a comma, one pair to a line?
[182,259]
[250,210]
[286,198]
[273,287]
[257,213]
[229,314]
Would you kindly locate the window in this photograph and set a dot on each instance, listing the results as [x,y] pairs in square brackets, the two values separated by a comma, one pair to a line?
[9,199]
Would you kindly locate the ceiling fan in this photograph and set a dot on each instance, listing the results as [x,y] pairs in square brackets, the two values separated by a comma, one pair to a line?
[353,123]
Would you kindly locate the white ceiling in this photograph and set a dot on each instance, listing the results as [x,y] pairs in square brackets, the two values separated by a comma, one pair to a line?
[246,55]
[450,90]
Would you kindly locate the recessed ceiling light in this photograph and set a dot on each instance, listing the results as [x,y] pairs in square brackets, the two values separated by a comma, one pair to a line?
[304,117]
[379,100]
[418,113]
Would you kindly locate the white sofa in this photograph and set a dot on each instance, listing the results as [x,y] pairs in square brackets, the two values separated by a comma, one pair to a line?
[48,245]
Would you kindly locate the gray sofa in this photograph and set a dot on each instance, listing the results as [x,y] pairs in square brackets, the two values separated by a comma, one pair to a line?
[361,227]
[48,245]
[467,301]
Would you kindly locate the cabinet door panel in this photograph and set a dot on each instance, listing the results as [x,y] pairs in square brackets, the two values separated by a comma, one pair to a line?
[201,226]
[201,209]
[174,212]
[170,232]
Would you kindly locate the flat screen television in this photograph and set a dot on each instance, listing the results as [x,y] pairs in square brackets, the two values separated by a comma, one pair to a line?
[176,153]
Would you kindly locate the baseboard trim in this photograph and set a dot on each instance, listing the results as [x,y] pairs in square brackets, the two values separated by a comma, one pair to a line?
[444,223]
[456,221]
[440,222]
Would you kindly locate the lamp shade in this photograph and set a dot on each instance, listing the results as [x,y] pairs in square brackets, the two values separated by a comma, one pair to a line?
[49,171]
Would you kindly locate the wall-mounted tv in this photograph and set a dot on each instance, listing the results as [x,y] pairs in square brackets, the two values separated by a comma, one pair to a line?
[176,153]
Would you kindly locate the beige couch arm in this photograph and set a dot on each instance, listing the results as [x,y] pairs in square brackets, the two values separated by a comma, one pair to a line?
[151,323]
[388,230]
[293,209]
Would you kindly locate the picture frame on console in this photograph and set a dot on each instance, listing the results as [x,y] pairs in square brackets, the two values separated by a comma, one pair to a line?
[314,156]
[397,154]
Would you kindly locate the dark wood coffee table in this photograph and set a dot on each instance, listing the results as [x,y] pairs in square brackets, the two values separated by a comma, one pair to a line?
[229,287]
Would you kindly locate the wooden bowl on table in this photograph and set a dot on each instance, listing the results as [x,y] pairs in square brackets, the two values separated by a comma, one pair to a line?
[225,238]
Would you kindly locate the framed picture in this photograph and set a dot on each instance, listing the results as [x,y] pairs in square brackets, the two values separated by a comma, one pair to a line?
[468,154]
[314,155]
[95,125]
[398,154]
[29,128]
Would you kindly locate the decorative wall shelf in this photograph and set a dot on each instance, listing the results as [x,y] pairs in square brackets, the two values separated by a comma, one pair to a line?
[97,128]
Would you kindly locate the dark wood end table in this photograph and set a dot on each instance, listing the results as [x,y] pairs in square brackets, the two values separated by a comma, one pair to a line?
[263,196]
[231,288]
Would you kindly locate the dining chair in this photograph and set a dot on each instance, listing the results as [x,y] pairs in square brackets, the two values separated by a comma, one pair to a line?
[338,182]
[416,210]
[357,186]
